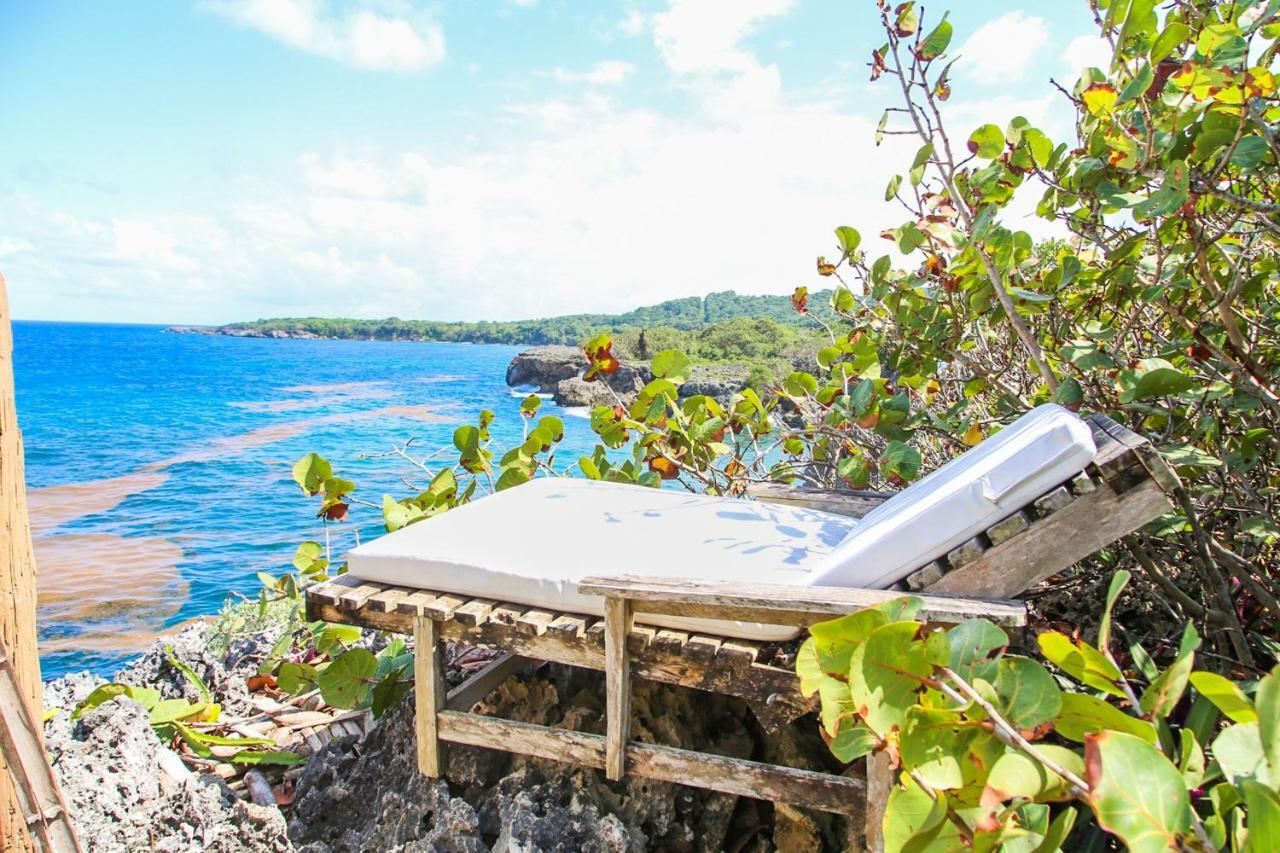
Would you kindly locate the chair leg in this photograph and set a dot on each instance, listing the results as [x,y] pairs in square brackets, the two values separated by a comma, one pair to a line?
[617,670]
[429,694]
[880,783]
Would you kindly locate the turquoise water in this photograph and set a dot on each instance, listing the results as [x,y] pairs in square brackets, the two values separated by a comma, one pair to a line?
[159,464]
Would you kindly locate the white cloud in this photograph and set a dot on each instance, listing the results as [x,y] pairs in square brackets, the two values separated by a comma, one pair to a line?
[358,36]
[705,35]
[608,73]
[634,23]
[1087,52]
[1001,50]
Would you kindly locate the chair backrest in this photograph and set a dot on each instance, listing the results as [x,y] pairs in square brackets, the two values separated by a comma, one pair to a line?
[1036,453]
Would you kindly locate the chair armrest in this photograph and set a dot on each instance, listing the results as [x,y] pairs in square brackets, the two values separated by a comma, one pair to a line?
[780,604]
[851,502]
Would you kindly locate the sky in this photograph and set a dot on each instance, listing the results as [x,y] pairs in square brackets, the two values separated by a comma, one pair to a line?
[207,161]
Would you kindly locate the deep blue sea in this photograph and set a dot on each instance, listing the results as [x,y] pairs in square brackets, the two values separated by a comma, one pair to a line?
[158,464]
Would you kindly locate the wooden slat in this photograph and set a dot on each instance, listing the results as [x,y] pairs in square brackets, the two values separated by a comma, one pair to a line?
[474,612]
[854,504]
[355,598]
[443,608]
[568,627]
[594,635]
[387,600]
[1056,542]
[702,648]
[506,614]
[485,681]
[772,692]
[1082,484]
[416,602]
[1053,501]
[428,694]
[331,591]
[926,577]
[783,605]
[1006,529]
[671,642]
[535,622]
[821,791]
[737,653]
[617,673]
[640,638]
[966,552]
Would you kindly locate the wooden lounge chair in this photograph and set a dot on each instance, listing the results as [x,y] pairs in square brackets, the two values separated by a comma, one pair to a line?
[1121,488]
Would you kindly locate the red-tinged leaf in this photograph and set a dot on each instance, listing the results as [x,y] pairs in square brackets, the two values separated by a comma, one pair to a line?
[257,683]
[825,268]
[877,65]
[664,467]
[800,300]
[336,512]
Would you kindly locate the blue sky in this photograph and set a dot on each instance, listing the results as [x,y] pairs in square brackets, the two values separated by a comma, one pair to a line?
[203,162]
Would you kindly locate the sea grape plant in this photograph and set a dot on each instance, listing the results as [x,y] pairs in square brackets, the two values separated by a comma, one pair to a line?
[1156,303]
[997,751]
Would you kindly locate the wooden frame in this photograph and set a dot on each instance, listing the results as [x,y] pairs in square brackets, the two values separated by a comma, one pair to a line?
[1123,488]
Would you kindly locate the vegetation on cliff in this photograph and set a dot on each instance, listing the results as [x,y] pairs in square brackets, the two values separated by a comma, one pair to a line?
[676,315]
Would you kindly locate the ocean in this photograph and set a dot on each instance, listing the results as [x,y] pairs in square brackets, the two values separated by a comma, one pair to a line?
[159,465]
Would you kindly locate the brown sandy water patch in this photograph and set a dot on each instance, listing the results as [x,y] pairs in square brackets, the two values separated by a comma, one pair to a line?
[420,413]
[53,506]
[116,590]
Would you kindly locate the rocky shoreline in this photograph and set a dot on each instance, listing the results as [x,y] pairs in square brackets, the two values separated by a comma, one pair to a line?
[557,370]
[361,791]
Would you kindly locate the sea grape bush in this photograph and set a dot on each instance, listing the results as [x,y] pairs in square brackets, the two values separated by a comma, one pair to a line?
[1157,303]
[999,752]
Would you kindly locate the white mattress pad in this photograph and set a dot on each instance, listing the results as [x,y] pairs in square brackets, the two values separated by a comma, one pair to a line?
[534,544]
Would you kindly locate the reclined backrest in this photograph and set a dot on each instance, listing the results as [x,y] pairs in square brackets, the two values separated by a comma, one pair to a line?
[1039,451]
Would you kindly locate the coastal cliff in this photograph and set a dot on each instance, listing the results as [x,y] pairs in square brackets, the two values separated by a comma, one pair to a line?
[557,370]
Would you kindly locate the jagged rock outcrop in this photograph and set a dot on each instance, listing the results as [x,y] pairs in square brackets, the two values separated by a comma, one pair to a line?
[372,798]
[544,367]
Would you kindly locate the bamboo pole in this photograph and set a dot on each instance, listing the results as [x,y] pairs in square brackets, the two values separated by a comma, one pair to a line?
[17,575]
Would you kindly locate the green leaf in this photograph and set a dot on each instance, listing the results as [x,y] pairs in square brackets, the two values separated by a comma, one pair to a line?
[189,673]
[972,643]
[1028,695]
[852,741]
[891,189]
[1171,38]
[295,678]
[510,478]
[987,142]
[1136,793]
[1239,753]
[1119,581]
[345,682]
[886,672]
[1225,696]
[1082,715]
[1017,775]
[1156,377]
[1263,805]
[390,690]
[1164,693]
[849,239]
[936,42]
[310,472]
[929,745]
[99,695]
[671,364]
[1081,661]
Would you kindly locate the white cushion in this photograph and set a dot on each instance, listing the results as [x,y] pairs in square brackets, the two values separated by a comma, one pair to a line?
[533,544]
[1041,450]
